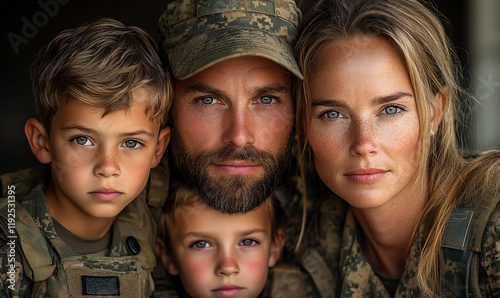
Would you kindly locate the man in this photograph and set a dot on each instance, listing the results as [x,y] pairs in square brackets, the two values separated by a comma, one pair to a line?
[233,111]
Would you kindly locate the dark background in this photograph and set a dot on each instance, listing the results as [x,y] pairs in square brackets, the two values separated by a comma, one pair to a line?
[47,18]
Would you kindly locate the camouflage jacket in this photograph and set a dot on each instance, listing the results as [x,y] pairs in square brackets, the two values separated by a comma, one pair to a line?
[35,259]
[288,276]
[333,243]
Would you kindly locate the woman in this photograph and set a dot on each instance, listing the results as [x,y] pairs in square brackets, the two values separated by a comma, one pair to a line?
[376,117]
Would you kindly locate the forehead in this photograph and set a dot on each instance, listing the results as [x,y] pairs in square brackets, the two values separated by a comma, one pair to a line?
[356,50]
[74,111]
[247,68]
[358,63]
[202,218]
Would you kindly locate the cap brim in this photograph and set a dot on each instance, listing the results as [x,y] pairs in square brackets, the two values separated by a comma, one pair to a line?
[202,51]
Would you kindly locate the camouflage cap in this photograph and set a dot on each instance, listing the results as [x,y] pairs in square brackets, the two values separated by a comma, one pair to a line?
[200,33]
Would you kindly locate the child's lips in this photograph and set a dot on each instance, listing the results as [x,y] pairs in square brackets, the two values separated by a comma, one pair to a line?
[105,194]
[228,290]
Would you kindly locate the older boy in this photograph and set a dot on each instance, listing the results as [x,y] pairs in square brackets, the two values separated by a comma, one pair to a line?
[102,99]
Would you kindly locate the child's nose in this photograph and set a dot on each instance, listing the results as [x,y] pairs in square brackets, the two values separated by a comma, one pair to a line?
[107,165]
[228,264]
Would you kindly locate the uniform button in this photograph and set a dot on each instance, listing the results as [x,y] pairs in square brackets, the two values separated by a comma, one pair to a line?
[133,245]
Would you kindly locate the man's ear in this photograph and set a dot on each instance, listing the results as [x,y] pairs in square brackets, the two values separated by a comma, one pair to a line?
[438,111]
[277,247]
[38,140]
[161,146]
[162,251]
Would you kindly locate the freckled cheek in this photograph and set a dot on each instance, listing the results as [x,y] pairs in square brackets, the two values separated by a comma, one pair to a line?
[71,161]
[325,145]
[405,139]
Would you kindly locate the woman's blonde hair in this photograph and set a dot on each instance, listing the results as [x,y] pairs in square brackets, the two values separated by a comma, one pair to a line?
[417,35]
[100,64]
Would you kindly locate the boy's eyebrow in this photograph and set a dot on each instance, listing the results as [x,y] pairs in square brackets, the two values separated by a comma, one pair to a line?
[135,133]
[125,134]
[375,101]
[206,235]
[249,232]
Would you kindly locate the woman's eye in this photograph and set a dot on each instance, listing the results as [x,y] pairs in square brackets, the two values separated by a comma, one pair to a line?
[132,144]
[248,242]
[207,100]
[82,141]
[393,110]
[331,115]
[200,244]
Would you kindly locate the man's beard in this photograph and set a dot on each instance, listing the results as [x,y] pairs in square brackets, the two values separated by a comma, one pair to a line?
[230,193]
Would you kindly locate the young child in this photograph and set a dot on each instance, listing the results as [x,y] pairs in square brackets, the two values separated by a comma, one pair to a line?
[102,98]
[217,254]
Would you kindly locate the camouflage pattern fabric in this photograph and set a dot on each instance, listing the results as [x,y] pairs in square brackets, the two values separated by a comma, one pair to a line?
[335,237]
[289,194]
[54,269]
[198,34]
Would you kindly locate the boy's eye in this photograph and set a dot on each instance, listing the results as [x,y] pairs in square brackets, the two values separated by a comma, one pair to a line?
[132,144]
[82,141]
[248,242]
[200,244]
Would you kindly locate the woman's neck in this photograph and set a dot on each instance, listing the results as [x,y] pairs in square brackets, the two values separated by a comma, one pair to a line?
[387,233]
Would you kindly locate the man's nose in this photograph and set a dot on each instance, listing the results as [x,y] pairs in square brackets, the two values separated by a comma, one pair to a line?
[239,127]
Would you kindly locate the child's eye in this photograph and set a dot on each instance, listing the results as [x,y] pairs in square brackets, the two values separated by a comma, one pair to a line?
[249,242]
[132,144]
[82,141]
[200,244]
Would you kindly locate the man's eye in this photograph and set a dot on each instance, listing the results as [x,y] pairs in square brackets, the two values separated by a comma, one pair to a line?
[266,100]
[207,100]
[82,141]
[132,144]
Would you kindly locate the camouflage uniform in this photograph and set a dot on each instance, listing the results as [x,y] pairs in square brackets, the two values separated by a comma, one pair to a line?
[44,263]
[335,239]
[287,279]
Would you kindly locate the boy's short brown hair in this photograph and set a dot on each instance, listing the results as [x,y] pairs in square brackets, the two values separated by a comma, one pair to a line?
[100,64]
[181,196]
